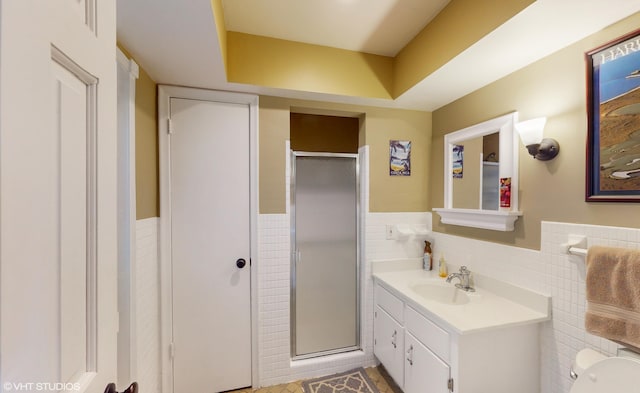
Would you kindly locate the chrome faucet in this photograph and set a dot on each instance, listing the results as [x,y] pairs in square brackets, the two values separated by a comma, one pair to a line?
[463,275]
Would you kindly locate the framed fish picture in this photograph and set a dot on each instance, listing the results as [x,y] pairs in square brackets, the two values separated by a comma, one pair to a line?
[399,158]
[613,107]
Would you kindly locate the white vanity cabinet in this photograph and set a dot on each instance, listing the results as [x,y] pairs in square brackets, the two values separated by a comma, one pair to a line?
[426,356]
[412,365]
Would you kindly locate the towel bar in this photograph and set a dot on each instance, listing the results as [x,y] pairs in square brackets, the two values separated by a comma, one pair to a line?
[577,245]
[577,251]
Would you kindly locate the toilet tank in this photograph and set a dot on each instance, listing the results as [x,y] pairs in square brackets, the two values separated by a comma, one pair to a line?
[585,359]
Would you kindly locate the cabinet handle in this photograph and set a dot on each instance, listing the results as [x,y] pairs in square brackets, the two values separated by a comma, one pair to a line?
[410,355]
[393,338]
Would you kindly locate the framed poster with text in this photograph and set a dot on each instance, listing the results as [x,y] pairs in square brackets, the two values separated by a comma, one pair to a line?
[613,106]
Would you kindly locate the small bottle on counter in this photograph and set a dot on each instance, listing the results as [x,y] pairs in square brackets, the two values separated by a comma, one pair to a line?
[427,258]
[442,267]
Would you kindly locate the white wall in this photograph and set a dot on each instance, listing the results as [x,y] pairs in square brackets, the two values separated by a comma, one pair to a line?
[146,366]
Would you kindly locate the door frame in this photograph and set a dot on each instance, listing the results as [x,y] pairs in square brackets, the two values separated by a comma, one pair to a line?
[165,93]
[127,192]
[294,256]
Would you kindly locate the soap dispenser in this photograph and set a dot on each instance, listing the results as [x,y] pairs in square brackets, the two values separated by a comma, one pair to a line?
[442,267]
[427,258]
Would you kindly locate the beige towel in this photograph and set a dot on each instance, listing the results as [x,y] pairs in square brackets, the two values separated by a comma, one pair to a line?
[613,294]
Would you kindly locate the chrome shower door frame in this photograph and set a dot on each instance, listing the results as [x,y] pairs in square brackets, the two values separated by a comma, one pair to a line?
[294,255]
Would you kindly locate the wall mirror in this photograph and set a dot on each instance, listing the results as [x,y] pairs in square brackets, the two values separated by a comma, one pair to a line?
[476,160]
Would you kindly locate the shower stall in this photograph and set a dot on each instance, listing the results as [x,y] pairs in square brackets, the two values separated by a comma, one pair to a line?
[325,269]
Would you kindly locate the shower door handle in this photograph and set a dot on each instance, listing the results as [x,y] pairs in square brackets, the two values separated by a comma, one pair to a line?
[298,256]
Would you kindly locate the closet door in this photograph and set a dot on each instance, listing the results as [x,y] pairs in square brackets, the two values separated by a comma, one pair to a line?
[210,245]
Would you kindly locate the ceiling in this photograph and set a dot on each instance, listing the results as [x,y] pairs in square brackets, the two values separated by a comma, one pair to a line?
[176,42]
[380,27]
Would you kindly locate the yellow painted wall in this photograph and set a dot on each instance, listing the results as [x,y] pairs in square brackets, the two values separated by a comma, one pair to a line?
[327,134]
[554,87]
[377,125]
[221,29]
[147,173]
[273,126]
[398,193]
[458,26]
[272,62]
[147,186]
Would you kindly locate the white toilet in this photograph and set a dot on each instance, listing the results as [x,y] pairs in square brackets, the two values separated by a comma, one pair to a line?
[597,373]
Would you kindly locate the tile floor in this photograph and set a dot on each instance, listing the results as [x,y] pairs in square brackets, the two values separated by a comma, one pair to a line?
[378,375]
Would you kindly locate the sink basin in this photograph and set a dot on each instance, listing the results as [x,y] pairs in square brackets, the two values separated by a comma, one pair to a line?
[441,292]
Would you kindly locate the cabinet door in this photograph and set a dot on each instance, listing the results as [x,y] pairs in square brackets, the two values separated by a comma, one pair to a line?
[423,371]
[388,340]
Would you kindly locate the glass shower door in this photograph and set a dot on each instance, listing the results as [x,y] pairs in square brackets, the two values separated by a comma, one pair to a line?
[325,312]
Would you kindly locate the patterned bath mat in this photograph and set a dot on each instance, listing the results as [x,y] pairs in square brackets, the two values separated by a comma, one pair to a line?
[354,381]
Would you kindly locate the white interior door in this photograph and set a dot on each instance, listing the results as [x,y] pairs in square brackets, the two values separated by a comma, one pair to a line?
[58,315]
[210,233]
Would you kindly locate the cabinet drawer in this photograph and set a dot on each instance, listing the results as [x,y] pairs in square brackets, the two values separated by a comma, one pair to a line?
[430,334]
[389,303]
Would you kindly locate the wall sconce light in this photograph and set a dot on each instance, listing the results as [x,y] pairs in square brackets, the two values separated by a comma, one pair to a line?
[543,149]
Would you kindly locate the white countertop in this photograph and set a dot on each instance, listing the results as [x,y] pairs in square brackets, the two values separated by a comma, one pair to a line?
[495,304]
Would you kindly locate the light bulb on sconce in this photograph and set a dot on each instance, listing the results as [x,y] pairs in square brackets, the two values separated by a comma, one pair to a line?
[543,149]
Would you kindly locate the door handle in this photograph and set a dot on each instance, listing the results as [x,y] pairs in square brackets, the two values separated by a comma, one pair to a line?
[111,388]
[240,263]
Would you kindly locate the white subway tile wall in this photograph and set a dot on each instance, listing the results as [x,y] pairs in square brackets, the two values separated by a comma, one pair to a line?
[275,364]
[147,315]
[274,294]
[552,272]
[564,276]
[515,265]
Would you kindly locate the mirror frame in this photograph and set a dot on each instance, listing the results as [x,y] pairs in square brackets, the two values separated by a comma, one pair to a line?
[498,220]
